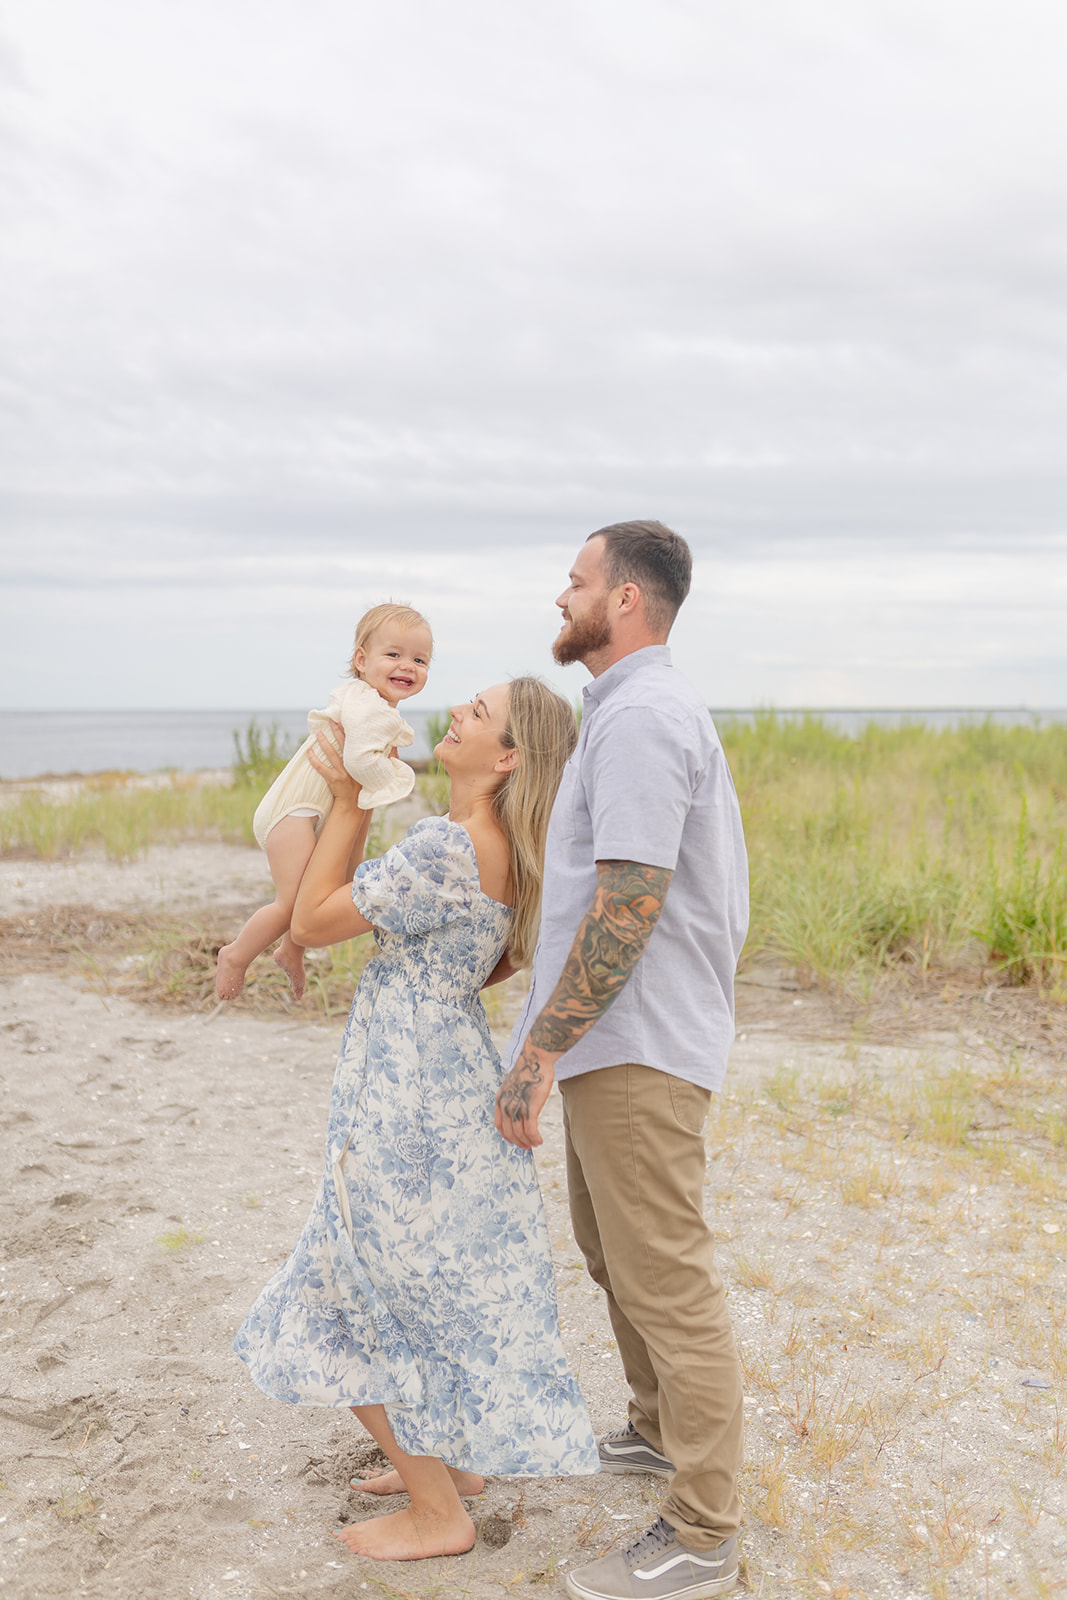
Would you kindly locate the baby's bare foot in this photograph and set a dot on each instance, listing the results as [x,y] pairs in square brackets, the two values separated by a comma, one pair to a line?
[466,1483]
[290,957]
[410,1535]
[229,975]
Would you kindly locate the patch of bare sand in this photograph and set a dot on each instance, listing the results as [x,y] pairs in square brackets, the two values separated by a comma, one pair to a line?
[889,1198]
[165,878]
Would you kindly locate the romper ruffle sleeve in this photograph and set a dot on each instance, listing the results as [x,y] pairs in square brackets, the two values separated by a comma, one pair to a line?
[372,728]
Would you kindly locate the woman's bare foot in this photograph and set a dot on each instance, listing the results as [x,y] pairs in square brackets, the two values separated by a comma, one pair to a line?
[466,1483]
[290,957]
[411,1535]
[229,975]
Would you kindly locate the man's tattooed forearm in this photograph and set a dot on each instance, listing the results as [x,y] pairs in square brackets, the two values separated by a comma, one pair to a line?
[609,943]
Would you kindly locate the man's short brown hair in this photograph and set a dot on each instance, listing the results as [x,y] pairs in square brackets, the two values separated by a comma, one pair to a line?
[657,560]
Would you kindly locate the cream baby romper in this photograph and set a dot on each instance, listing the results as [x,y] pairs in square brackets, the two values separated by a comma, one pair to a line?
[372,727]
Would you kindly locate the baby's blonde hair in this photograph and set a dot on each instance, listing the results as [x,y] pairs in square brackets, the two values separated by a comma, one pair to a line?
[380,617]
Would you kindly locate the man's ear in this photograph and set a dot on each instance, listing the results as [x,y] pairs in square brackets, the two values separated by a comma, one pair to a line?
[629,596]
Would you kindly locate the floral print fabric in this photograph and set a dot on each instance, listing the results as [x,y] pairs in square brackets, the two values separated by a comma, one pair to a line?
[423,1279]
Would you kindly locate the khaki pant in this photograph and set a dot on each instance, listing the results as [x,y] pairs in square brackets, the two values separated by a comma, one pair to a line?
[635,1172]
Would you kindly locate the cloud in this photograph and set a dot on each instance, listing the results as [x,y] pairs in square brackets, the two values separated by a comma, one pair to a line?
[855,628]
[285,290]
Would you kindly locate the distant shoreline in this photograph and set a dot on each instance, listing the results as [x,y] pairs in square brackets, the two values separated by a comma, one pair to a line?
[54,747]
[436,711]
[133,779]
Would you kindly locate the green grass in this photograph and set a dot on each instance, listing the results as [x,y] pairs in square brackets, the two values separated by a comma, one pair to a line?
[435,785]
[123,814]
[112,812]
[260,754]
[906,846]
[181,1238]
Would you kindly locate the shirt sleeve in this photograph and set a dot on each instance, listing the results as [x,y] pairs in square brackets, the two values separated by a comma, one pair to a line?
[426,880]
[640,775]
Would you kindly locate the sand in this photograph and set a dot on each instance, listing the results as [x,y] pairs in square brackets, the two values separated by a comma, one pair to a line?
[904,1338]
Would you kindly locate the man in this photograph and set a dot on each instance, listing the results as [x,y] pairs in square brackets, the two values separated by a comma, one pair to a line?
[645,909]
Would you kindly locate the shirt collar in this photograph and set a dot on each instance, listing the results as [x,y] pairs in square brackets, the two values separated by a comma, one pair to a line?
[650,655]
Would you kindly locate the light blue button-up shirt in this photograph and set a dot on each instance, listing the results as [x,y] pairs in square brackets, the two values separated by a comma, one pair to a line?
[648,782]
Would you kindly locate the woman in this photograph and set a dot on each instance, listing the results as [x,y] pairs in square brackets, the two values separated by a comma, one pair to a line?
[420,1293]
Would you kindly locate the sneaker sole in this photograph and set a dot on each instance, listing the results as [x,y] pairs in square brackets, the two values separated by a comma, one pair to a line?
[695,1591]
[635,1466]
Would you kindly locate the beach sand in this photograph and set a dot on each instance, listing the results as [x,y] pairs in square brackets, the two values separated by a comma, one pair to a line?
[905,1340]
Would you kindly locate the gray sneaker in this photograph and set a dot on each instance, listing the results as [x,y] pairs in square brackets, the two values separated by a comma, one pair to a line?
[657,1567]
[626,1451]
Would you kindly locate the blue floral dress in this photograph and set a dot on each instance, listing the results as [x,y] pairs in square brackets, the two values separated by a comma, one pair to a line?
[423,1279]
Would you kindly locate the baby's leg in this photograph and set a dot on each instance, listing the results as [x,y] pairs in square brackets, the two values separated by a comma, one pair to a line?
[288,857]
[289,846]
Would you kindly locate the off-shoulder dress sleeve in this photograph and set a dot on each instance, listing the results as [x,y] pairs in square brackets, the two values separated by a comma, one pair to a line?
[428,879]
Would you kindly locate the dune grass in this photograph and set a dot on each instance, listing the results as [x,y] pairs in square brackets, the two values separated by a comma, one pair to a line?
[124,813]
[907,848]
[117,813]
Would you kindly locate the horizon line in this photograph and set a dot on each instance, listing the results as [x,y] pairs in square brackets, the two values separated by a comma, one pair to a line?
[69,711]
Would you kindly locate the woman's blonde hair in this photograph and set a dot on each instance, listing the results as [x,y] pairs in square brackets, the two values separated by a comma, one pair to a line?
[541,726]
[388,613]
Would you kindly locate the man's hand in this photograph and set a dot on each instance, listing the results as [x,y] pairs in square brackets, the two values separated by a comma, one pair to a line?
[610,940]
[522,1095]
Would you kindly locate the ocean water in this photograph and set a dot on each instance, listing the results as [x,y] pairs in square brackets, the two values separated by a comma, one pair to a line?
[35,743]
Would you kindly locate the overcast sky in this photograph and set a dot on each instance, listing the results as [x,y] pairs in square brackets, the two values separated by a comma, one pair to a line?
[308,305]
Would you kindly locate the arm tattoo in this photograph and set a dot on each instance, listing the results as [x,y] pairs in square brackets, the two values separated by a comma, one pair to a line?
[519,1085]
[608,945]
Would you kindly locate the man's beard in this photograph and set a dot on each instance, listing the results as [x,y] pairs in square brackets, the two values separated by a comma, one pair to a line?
[578,640]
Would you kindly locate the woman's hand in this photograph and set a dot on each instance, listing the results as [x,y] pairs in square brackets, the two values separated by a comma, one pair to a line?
[326,755]
[324,913]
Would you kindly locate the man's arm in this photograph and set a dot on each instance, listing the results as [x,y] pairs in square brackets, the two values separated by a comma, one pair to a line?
[608,945]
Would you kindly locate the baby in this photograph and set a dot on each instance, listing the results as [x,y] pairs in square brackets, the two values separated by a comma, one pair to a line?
[389,663]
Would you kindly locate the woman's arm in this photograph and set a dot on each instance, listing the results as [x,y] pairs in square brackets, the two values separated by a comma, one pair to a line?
[503,970]
[356,853]
[324,913]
